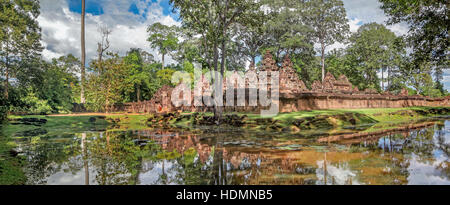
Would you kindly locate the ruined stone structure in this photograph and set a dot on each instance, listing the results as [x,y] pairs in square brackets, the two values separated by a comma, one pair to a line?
[332,93]
[290,83]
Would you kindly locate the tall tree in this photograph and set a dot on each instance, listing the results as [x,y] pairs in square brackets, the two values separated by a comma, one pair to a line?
[136,76]
[83,51]
[375,49]
[428,22]
[59,83]
[105,85]
[328,19]
[288,32]
[251,38]
[213,19]
[104,44]
[20,37]
[164,38]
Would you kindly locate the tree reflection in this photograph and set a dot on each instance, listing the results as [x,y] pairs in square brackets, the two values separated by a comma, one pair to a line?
[181,157]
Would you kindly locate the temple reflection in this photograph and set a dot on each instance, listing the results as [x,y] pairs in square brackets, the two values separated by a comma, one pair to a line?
[174,156]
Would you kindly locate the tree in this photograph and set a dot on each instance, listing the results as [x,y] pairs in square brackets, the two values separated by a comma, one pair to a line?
[59,84]
[213,20]
[104,44]
[428,22]
[105,85]
[83,51]
[163,38]
[136,75]
[19,38]
[375,49]
[328,20]
[288,32]
[251,38]
[339,62]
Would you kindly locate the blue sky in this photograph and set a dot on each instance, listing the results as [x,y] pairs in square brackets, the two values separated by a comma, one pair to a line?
[128,20]
[92,7]
[95,8]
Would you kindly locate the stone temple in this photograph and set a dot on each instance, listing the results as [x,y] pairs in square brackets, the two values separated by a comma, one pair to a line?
[332,93]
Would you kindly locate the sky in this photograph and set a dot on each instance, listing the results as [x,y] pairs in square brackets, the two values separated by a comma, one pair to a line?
[129,19]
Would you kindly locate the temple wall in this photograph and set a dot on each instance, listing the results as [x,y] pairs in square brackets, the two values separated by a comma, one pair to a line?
[302,101]
[331,93]
[320,101]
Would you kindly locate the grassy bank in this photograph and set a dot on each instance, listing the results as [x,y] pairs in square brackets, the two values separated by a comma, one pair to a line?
[11,172]
[330,120]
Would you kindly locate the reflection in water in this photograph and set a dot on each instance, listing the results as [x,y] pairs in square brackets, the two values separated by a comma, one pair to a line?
[237,157]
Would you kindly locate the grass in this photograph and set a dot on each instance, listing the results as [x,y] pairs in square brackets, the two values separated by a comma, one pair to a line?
[377,118]
[11,172]
[55,124]
[336,120]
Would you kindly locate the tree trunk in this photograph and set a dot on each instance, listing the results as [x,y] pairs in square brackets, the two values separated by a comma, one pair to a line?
[138,93]
[6,94]
[323,61]
[388,76]
[6,91]
[215,61]
[382,79]
[162,60]
[83,51]
[253,61]
[85,158]
[222,71]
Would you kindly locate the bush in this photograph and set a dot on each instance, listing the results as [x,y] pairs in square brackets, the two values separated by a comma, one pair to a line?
[36,105]
[3,114]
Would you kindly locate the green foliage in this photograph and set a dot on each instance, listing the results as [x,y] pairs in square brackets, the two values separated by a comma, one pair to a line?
[11,167]
[329,22]
[339,63]
[428,27]
[60,83]
[106,83]
[19,39]
[141,80]
[165,76]
[3,114]
[285,30]
[374,48]
[33,104]
[3,109]
[136,77]
[163,38]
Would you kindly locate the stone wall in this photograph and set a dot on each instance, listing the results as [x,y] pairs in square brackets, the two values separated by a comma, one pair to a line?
[319,101]
[332,93]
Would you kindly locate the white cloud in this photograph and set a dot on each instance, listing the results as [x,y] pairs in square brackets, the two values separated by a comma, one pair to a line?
[354,23]
[366,11]
[361,12]
[369,11]
[61,27]
[446,79]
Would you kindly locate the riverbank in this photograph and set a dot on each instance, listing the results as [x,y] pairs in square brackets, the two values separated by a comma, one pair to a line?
[325,121]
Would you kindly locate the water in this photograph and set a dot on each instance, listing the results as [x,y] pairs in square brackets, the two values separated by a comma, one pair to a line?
[216,156]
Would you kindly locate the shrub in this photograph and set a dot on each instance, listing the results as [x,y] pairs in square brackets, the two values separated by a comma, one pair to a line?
[3,114]
[36,105]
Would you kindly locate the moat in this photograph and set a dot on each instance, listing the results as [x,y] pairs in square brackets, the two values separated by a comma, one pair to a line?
[211,155]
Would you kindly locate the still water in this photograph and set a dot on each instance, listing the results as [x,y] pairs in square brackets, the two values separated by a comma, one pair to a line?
[218,156]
